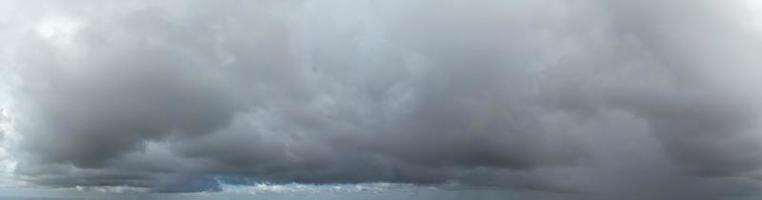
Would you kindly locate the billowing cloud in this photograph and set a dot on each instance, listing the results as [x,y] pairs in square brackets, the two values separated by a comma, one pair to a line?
[646,99]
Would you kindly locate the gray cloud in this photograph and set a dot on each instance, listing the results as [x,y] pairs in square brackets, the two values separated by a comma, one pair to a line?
[642,99]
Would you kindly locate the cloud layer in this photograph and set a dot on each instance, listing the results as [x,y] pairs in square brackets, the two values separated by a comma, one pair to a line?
[650,99]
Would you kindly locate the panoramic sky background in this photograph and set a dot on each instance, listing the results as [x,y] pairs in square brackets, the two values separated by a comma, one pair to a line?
[649,99]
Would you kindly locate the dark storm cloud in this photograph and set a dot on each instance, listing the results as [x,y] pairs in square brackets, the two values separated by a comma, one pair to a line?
[644,99]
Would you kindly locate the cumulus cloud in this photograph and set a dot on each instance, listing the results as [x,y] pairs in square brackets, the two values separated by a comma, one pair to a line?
[646,99]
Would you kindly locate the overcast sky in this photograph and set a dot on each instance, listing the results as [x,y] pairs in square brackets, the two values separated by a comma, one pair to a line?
[649,99]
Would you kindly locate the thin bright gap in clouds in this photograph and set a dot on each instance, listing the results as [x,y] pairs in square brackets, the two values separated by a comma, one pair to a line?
[296,188]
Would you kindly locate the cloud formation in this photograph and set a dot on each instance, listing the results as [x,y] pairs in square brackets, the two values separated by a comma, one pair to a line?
[646,99]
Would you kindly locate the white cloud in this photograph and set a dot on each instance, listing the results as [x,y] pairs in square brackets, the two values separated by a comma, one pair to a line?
[8,137]
[297,188]
[58,28]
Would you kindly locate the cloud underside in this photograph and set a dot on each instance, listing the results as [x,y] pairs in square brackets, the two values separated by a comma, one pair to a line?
[565,96]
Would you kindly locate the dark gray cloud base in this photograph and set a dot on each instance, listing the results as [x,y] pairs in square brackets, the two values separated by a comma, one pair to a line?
[644,99]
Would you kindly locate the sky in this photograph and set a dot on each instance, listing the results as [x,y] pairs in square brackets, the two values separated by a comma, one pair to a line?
[381,99]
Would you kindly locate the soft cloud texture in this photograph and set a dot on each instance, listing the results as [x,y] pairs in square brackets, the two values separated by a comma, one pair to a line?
[642,99]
